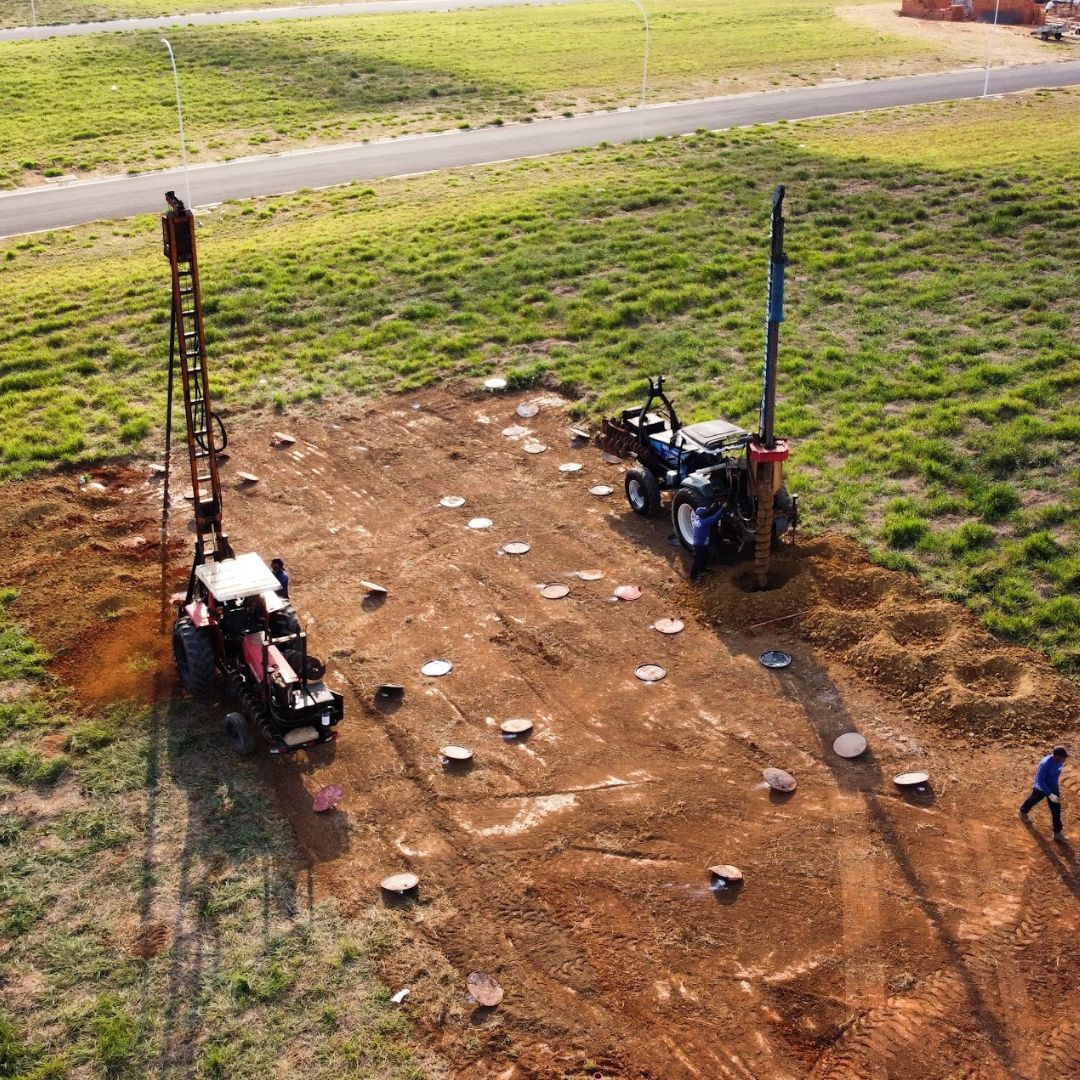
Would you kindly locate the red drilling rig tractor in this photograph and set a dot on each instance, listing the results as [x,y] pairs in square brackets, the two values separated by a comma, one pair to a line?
[232,619]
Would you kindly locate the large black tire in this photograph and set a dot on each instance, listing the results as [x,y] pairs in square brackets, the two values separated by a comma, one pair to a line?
[238,732]
[643,492]
[194,655]
[686,501]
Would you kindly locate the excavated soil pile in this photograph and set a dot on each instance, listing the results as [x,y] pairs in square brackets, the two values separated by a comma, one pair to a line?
[932,656]
[877,932]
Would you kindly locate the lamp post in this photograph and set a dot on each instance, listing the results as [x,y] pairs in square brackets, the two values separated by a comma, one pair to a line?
[990,49]
[33,15]
[645,65]
[180,116]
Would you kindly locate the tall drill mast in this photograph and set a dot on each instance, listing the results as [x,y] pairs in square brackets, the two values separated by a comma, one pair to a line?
[188,346]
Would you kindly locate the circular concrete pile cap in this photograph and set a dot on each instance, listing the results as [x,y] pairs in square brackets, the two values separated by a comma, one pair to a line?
[627,592]
[480,523]
[911,779]
[189,493]
[495,383]
[456,753]
[570,466]
[485,989]
[435,668]
[400,883]
[555,592]
[514,430]
[775,658]
[373,587]
[534,448]
[728,874]
[283,438]
[601,490]
[327,798]
[159,469]
[650,672]
[590,575]
[849,745]
[516,726]
[452,501]
[779,780]
[527,409]
[669,626]
[611,459]
[248,477]
[515,547]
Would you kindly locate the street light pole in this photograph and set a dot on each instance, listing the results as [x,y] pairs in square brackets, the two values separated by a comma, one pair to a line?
[645,65]
[180,116]
[990,49]
[33,15]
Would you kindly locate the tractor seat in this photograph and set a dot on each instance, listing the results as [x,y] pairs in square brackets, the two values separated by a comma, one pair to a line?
[711,434]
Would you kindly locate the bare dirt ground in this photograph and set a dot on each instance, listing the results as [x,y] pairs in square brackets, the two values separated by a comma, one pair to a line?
[967,42]
[877,934]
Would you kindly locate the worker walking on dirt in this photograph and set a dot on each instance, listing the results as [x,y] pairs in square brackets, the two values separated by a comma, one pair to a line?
[702,521]
[277,568]
[1046,787]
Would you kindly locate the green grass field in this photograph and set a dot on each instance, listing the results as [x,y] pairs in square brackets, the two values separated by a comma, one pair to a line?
[106,103]
[57,12]
[930,361]
[152,914]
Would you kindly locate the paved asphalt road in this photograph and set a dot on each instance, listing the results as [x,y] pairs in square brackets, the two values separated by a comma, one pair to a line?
[62,205]
[220,18]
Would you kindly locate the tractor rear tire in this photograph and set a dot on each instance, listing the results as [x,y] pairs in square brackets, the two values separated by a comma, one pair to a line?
[686,501]
[194,656]
[238,732]
[643,492]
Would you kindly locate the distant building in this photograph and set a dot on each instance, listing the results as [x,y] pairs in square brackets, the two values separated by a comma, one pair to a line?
[1009,12]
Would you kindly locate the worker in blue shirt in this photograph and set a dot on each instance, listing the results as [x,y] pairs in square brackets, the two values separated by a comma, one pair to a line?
[702,521]
[1046,787]
[277,568]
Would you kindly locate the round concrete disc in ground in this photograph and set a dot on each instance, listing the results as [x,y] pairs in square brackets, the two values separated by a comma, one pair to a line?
[495,383]
[775,658]
[327,798]
[590,575]
[485,989]
[456,753]
[601,490]
[435,668]
[650,672]
[400,883]
[555,592]
[579,434]
[480,523]
[515,547]
[570,466]
[527,409]
[730,875]
[779,780]
[849,745]
[372,587]
[611,459]
[669,626]
[189,493]
[627,592]
[283,438]
[534,448]
[155,468]
[911,779]
[515,430]
[248,477]
[516,726]
[452,502]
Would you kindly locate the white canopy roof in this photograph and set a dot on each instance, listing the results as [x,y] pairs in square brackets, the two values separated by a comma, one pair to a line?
[235,579]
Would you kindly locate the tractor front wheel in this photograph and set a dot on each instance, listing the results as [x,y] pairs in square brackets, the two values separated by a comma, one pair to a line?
[643,492]
[238,732]
[194,655]
[686,501]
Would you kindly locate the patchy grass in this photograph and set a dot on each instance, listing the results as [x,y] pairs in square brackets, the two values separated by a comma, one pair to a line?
[58,12]
[154,925]
[106,103]
[930,360]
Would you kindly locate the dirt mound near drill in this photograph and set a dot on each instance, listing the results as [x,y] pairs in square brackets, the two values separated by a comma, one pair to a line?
[934,656]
